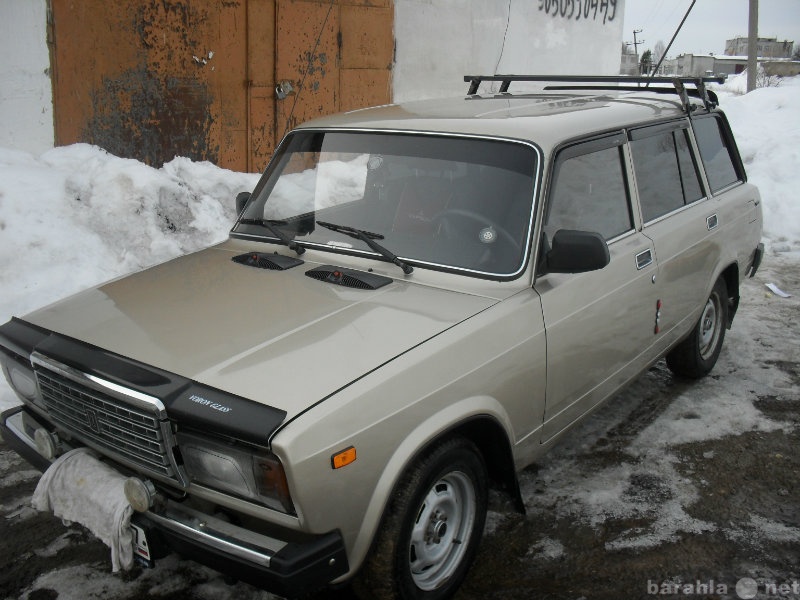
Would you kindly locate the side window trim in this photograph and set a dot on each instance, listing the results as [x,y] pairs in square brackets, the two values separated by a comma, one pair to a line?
[588,146]
[646,131]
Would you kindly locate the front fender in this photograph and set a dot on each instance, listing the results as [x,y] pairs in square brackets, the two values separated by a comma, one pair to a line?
[492,366]
[420,438]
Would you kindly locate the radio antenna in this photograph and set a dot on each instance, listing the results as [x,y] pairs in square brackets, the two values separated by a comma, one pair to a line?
[663,56]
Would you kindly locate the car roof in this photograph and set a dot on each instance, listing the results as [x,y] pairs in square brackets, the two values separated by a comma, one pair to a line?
[545,118]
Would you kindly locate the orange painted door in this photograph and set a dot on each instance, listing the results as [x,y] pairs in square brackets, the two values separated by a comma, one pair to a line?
[306,61]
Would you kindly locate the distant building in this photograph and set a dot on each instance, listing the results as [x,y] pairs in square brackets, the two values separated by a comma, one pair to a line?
[766,47]
[692,65]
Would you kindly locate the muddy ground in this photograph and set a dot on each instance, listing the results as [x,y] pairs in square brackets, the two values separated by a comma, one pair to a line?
[673,489]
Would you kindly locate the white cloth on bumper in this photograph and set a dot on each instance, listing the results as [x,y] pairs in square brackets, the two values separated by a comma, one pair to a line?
[78,487]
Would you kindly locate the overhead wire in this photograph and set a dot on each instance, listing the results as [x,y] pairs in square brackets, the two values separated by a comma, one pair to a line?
[505,35]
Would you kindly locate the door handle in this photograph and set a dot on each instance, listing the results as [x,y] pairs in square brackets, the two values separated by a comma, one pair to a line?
[643,259]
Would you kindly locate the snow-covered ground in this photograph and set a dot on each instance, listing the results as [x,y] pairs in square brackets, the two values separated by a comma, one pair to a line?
[75,216]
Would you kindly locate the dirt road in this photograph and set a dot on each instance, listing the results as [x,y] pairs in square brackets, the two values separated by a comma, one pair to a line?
[672,490]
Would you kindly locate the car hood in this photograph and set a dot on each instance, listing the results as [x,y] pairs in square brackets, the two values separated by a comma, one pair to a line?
[277,337]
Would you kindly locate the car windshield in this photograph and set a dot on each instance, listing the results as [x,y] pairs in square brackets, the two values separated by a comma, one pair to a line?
[455,203]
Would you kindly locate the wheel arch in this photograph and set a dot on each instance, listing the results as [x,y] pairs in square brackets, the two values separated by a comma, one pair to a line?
[491,440]
[482,422]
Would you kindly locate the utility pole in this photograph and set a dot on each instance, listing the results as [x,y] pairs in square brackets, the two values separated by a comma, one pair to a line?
[752,46]
[635,43]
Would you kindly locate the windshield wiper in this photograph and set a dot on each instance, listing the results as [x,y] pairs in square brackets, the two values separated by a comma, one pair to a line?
[369,239]
[271,226]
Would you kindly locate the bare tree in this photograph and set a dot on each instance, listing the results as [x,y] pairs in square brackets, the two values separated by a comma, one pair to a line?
[765,80]
[659,50]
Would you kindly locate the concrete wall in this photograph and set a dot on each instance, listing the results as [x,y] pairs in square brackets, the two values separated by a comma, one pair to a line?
[440,41]
[782,68]
[26,104]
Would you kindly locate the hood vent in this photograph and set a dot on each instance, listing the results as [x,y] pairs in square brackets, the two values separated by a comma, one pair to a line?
[349,278]
[262,260]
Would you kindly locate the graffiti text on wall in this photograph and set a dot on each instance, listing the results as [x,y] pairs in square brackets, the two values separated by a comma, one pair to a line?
[580,9]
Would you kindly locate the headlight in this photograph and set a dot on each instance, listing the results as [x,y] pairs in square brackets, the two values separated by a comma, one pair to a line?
[22,382]
[19,374]
[245,472]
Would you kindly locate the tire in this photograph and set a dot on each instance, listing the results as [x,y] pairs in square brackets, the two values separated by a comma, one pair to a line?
[432,527]
[695,356]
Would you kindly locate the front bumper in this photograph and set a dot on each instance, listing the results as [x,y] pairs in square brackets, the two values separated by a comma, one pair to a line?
[287,568]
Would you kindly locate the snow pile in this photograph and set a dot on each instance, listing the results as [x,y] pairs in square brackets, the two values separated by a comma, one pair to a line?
[76,216]
[766,123]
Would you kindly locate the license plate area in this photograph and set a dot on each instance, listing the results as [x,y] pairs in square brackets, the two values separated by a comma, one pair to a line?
[141,548]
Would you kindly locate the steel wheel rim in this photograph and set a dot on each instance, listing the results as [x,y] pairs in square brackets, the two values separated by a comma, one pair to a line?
[710,327]
[441,530]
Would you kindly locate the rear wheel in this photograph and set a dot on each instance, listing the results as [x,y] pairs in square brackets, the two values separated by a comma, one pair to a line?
[695,356]
[432,528]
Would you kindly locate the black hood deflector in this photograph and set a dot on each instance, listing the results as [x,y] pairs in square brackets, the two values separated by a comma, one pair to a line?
[189,403]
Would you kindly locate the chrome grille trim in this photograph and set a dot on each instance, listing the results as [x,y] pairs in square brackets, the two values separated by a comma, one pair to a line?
[127,425]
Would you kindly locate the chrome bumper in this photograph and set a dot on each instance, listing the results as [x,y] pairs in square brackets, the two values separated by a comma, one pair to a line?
[287,568]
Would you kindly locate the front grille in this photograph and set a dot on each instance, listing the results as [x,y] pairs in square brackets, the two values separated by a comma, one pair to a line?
[107,423]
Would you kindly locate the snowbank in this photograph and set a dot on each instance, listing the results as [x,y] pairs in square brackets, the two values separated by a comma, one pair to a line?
[76,216]
[766,123]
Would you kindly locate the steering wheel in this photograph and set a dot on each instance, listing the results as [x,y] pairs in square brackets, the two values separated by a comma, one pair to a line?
[481,220]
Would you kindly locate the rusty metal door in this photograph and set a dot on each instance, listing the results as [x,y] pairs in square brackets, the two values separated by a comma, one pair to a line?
[155,79]
[151,79]
[306,61]
[330,56]
[326,56]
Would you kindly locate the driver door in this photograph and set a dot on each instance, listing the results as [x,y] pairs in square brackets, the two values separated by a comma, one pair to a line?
[599,324]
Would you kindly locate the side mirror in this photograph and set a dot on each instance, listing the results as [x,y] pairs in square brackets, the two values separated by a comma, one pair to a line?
[577,252]
[241,201]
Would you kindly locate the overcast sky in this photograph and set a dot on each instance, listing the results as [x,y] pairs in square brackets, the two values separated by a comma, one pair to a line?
[710,23]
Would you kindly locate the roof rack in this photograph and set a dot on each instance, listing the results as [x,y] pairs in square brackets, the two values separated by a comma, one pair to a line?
[678,84]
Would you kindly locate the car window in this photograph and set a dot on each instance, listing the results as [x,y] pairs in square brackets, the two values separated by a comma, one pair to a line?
[715,152]
[666,175]
[454,202]
[589,192]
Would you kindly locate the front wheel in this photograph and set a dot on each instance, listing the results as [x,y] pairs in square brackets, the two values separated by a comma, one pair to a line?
[695,356]
[432,528]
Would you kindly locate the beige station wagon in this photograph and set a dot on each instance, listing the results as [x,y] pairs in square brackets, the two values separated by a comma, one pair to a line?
[415,302]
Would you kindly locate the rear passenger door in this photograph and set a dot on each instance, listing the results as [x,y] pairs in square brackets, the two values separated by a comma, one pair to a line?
[599,325]
[685,213]
[678,217]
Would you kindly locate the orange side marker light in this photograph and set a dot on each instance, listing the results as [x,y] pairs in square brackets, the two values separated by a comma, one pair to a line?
[343,458]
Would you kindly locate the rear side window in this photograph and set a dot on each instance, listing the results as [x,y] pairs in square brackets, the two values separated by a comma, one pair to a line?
[666,175]
[716,153]
[589,191]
